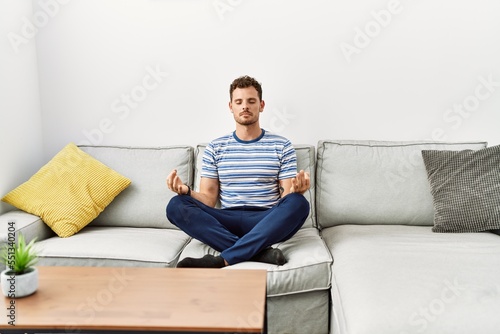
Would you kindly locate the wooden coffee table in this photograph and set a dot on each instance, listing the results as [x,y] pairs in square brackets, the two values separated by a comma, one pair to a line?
[120,300]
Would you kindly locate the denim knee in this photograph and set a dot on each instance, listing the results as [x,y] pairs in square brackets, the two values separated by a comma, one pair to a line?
[174,208]
[299,203]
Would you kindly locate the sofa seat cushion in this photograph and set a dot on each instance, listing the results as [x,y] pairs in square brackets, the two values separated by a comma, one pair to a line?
[408,279]
[308,267]
[114,246]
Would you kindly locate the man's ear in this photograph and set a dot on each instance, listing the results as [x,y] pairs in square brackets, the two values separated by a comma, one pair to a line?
[262,105]
[230,106]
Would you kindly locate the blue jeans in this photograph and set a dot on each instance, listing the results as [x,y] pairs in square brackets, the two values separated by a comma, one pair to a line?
[242,232]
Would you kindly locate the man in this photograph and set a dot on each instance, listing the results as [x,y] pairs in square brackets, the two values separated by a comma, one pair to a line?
[254,174]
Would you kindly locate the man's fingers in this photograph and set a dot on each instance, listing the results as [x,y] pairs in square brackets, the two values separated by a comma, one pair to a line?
[174,182]
[307,180]
[299,182]
[303,181]
[301,178]
[170,179]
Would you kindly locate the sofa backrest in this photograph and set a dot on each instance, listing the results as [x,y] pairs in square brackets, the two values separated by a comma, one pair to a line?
[143,203]
[375,182]
[306,160]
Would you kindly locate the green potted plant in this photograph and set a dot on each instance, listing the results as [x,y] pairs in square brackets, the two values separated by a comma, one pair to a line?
[20,277]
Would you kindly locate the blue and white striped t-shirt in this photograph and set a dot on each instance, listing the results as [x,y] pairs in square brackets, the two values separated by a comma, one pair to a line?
[249,171]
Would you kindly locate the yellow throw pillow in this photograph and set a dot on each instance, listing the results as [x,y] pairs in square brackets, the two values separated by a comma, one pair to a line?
[68,192]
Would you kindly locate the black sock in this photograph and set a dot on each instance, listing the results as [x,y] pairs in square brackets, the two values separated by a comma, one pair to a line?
[270,255]
[208,261]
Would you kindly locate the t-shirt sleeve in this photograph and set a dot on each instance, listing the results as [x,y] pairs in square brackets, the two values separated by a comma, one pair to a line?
[288,162]
[209,165]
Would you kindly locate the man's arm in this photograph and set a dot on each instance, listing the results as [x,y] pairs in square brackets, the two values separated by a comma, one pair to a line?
[209,188]
[298,184]
[209,191]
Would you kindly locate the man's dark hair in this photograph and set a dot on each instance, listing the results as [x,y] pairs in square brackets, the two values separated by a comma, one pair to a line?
[244,82]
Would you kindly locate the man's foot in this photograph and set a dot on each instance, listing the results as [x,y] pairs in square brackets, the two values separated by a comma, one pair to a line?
[270,255]
[208,261]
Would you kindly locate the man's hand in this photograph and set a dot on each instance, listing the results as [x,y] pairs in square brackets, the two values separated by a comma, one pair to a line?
[175,184]
[301,183]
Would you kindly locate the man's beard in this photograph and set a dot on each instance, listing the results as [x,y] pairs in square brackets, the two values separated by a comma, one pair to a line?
[242,121]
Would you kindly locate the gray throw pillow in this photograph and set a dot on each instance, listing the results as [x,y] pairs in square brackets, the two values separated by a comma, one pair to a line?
[465,186]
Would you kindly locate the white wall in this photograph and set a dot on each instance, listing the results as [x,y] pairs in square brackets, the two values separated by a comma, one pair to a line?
[21,146]
[382,70]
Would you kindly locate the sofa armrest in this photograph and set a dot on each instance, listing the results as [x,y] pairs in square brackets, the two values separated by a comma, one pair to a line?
[29,225]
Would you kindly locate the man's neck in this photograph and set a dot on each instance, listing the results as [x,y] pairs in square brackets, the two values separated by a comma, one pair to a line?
[248,132]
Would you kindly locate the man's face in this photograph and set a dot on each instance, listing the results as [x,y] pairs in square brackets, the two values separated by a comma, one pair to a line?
[246,105]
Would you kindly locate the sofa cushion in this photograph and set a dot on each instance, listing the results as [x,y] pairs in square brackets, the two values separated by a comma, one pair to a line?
[143,203]
[465,186]
[114,247]
[306,160]
[307,269]
[395,279]
[69,191]
[375,182]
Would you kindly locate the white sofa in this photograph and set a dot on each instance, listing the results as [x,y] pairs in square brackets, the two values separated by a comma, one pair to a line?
[365,261]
